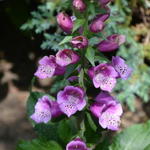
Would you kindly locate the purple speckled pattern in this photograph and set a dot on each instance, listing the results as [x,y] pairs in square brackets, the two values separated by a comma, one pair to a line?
[48,68]
[108,110]
[121,67]
[71,100]
[45,109]
[103,76]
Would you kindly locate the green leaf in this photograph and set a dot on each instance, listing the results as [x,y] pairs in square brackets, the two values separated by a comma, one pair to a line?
[65,40]
[67,129]
[147,147]
[93,41]
[91,122]
[70,69]
[47,131]
[58,85]
[101,59]
[136,137]
[91,135]
[103,145]
[51,6]
[38,144]
[90,54]
[78,23]
[92,9]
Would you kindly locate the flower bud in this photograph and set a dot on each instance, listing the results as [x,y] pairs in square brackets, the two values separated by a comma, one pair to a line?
[79,42]
[111,43]
[104,2]
[65,22]
[97,24]
[102,17]
[79,5]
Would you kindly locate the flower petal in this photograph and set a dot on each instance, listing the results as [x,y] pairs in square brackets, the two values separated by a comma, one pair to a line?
[68,108]
[121,67]
[76,144]
[66,57]
[97,109]
[109,120]
[71,99]
[65,22]
[107,83]
[81,105]
[46,68]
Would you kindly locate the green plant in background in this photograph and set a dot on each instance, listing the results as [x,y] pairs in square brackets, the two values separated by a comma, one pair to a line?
[134,53]
[43,21]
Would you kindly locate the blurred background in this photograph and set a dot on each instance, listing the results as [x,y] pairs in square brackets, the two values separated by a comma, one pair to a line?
[28,31]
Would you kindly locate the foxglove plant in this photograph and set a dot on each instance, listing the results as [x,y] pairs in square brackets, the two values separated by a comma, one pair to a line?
[121,67]
[103,76]
[108,110]
[71,100]
[48,68]
[79,5]
[97,24]
[66,57]
[65,22]
[78,73]
[79,42]
[45,109]
[111,43]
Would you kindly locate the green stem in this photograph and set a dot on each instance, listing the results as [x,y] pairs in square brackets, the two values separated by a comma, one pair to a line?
[81,125]
[32,83]
[118,3]
[82,57]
